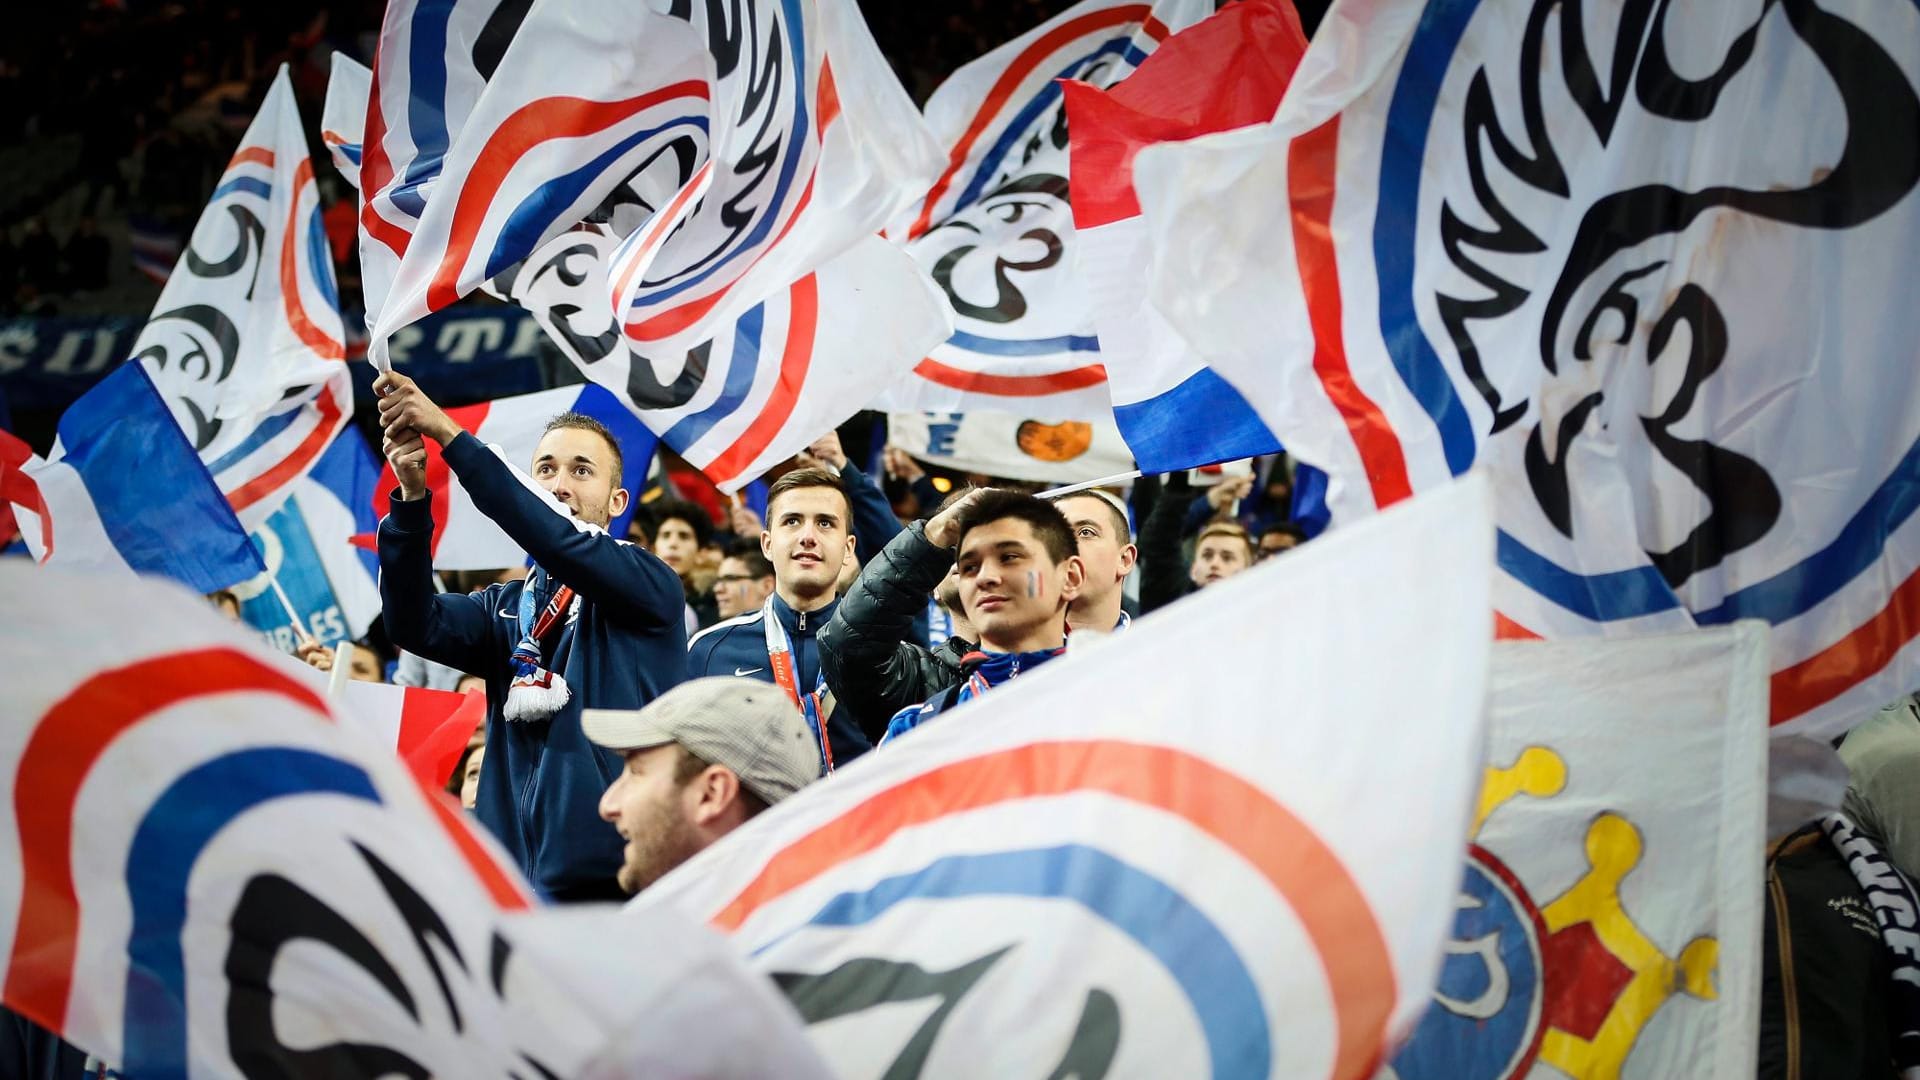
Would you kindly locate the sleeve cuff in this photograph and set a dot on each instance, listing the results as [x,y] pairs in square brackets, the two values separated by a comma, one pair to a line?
[414,516]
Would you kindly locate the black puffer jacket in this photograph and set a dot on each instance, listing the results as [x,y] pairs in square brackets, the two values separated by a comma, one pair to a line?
[871,663]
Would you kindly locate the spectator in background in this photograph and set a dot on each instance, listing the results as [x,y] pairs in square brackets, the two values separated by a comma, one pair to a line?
[1222,550]
[745,581]
[698,762]
[1105,545]
[1165,576]
[1018,573]
[364,662]
[680,530]
[1275,539]
[806,540]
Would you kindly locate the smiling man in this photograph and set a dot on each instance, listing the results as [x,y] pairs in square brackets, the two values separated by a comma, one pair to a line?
[1019,571]
[596,623]
[806,539]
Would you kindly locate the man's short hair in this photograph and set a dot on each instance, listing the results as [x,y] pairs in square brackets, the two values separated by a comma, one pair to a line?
[1227,528]
[672,509]
[747,550]
[1123,529]
[1049,525]
[796,479]
[583,422]
[691,765]
[1284,528]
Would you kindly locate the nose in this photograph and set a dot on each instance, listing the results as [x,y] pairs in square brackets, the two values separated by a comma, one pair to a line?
[609,808]
[557,487]
[987,576]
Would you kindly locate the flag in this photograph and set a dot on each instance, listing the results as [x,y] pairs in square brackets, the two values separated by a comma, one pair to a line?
[466,539]
[123,492]
[343,116]
[433,60]
[1608,923]
[1013,446]
[428,729]
[1175,412]
[995,230]
[214,874]
[308,548]
[1476,233]
[245,344]
[796,365]
[1126,865]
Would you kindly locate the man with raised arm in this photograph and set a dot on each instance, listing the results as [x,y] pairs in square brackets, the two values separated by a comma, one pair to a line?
[597,623]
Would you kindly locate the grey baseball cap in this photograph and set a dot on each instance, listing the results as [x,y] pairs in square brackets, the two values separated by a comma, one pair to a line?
[751,727]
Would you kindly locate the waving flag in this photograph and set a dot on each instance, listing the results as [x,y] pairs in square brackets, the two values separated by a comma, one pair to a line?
[212,873]
[246,345]
[1649,323]
[996,231]
[308,548]
[466,539]
[123,492]
[428,729]
[1226,71]
[1119,866]
[796,365]
[1014,446]
[343,117]
[1608,923]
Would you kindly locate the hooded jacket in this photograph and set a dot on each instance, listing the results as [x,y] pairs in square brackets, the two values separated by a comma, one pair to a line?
[738,647]
[624,645]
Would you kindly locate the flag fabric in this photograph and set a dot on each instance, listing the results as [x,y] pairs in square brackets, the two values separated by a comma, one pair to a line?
[308,548]
[433,60]
[1175,412]
[995,229]
[123,492]
[466,539]
[428,729]
[1648,323]
[217,875]
[1609,920]
[343,116]
[796,365]
[1012,446]
[245,344]
[1124,866]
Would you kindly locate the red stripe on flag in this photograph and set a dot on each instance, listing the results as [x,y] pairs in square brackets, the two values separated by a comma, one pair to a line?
[1311,165]
[250,155]
[979,382]
[1008,82]
[376,171]
[1505,629]
[1833,671]
[529,126]
[661,223]
[1282,848]
[434,728]
[503,887]
[803,312]
[19,489]
[62,750]
[291,466]
[290,248]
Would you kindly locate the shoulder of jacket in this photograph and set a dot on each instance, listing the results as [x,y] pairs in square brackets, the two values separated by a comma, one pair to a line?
[750,618]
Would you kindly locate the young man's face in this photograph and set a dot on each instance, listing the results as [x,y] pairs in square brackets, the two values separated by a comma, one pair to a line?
[807,539]
[576,466]
[366,666]
[1009,586]
[1104,548]
[737,591]
[1217,558]
[470,779]
[648,807]
[1274,543]
[676,543]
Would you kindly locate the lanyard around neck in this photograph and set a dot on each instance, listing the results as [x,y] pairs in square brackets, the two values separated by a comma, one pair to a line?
[780,659]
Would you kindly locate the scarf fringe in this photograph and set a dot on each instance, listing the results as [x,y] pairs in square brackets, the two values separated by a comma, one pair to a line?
[537,696]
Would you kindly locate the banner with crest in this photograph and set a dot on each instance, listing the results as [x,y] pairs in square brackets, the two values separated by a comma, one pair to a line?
[1551,241]
[245,344]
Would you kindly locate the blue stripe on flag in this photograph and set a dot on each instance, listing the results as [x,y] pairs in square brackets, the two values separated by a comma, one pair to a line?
[1199,422]
[740,372]
[1165,923]
[350,473]
[1025,346]
[263,433]
[1017,128]
[1618,594]
[1861,543]
[157,502]
[547,203]
[173,833]
[637,444]
[1404,150]
[251,184]
[320,259]
[426,101]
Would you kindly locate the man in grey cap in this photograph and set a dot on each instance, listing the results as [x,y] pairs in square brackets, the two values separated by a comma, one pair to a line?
[701,759]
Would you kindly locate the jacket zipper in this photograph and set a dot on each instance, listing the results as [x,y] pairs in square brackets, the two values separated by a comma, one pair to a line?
[1789,994]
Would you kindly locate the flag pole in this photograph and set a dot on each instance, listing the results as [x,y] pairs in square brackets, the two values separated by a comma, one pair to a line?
[342,664]
[1116,478]
[292,618]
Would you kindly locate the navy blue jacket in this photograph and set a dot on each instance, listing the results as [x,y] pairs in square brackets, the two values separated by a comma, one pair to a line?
[541,786]
[738,646]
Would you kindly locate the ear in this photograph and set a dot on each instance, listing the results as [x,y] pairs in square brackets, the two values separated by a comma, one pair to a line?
[1073,577]
[766,545]
[718,790]
[617,504]
[1129,555]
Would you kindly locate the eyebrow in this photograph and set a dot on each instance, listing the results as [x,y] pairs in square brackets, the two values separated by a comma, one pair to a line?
[578,459]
